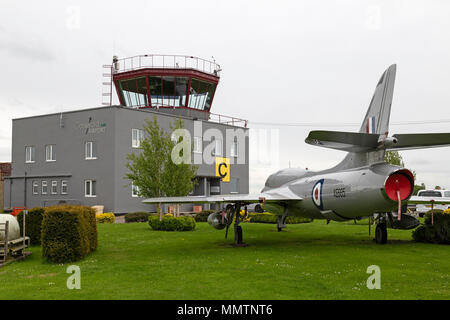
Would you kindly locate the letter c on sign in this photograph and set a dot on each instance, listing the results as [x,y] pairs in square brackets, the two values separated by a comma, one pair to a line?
[222,174]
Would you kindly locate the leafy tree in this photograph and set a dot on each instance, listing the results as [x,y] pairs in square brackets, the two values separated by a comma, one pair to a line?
[152,170]
[394,157]
[179,178]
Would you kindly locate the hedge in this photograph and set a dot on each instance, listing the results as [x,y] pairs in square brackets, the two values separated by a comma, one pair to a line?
[438,232]
[33,223]
[169,223]
[137,216]
[202,216]
[272,218]
[107,217]
[68,233]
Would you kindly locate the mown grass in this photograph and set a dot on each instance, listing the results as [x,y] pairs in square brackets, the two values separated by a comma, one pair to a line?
[306,261]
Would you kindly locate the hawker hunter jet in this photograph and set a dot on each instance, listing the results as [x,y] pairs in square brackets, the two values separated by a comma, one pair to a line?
[361,185]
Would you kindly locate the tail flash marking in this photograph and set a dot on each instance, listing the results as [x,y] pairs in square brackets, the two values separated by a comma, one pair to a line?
[370,125]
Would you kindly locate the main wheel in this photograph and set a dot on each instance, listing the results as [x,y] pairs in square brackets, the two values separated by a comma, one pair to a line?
[381,233]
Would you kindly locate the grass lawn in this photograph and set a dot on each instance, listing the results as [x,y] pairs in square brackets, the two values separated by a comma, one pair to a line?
[306,261]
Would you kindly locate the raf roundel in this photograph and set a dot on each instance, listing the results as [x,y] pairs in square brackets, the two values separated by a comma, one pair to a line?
[317,194]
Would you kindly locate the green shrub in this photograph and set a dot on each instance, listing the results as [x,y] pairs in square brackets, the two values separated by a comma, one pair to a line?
[202,216]
[438,232]
[68,233]
[272,218]
[137,216]
[108,217]
[169,223]
[33,223]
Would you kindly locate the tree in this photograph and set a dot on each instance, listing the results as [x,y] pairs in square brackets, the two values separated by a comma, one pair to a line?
[394,157]
[179,177]
[152,170]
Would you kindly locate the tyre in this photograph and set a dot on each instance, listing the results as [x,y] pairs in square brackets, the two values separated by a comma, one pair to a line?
[381,233]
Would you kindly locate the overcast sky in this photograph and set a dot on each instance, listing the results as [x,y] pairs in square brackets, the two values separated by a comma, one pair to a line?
[295,62]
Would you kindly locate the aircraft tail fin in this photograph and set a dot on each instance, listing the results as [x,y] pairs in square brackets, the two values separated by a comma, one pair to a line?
[363,147]
[377,117]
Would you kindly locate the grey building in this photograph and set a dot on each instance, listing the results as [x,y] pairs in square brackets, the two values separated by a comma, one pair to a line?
[79,156]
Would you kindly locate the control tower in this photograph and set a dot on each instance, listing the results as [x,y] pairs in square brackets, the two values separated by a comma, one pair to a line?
[175,84]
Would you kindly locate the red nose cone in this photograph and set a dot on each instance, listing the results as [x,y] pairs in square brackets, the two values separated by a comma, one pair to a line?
[398,182]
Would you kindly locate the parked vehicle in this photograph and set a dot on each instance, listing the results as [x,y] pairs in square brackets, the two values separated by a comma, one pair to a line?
[436,195]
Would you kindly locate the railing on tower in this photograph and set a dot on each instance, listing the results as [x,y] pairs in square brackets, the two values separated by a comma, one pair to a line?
[165,61]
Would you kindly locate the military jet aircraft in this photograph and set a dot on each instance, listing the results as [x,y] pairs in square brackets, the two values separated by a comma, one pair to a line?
[361,185]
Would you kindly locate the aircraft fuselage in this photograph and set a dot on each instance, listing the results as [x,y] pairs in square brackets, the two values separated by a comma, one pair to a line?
[347,194]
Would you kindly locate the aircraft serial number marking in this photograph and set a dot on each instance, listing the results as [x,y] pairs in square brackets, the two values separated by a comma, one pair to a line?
[339,193]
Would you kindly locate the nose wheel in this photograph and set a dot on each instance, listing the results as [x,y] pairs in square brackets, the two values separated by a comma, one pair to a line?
[381,233]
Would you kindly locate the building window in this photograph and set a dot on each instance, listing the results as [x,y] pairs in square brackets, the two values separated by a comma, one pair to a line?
[35,187]
[90,150]
[29,154]
[64,187]
[218,147]
[49,152]
[90,188]
[54,187]
[137,135]
[234,185]
[198,145]
[44,187]
[134,190]
[234,149]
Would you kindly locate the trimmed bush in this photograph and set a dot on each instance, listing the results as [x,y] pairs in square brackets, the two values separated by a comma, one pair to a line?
[33,223]
[107,217]
[68,233]
[272,218]
[138,216]
[438,232]
[202,216]
[169,223]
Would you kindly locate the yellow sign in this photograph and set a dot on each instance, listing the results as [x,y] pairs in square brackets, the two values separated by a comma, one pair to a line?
[223,169]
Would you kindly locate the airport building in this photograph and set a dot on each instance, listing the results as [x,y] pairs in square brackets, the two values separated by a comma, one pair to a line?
[80,156]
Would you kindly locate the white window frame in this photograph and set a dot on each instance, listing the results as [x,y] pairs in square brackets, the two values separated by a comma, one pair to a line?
[198,144]
[218,151]
[234,149]
[44,184]
[55,186]
[89,155]
[136,142]
[35,187]
[133,189]
[63,185]
[30,156]
[52,154]
[91,183]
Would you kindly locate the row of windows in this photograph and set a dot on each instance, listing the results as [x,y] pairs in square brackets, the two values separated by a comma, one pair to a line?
[137,135]
[167,91]
[30,153]
[90,152]
[53,187]
[90,188]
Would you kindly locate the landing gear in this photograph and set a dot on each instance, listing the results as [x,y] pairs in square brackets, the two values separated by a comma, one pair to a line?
[281,220]
[235,211]
[381,233]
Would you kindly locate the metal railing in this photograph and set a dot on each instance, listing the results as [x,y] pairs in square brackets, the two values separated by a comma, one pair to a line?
[165,61]
[219,118]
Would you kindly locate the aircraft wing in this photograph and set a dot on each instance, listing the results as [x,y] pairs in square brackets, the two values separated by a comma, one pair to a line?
[345,141]
[275,195]
[420,140]
[428,200]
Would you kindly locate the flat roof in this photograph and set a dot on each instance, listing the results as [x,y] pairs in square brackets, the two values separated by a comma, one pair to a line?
[148,110]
